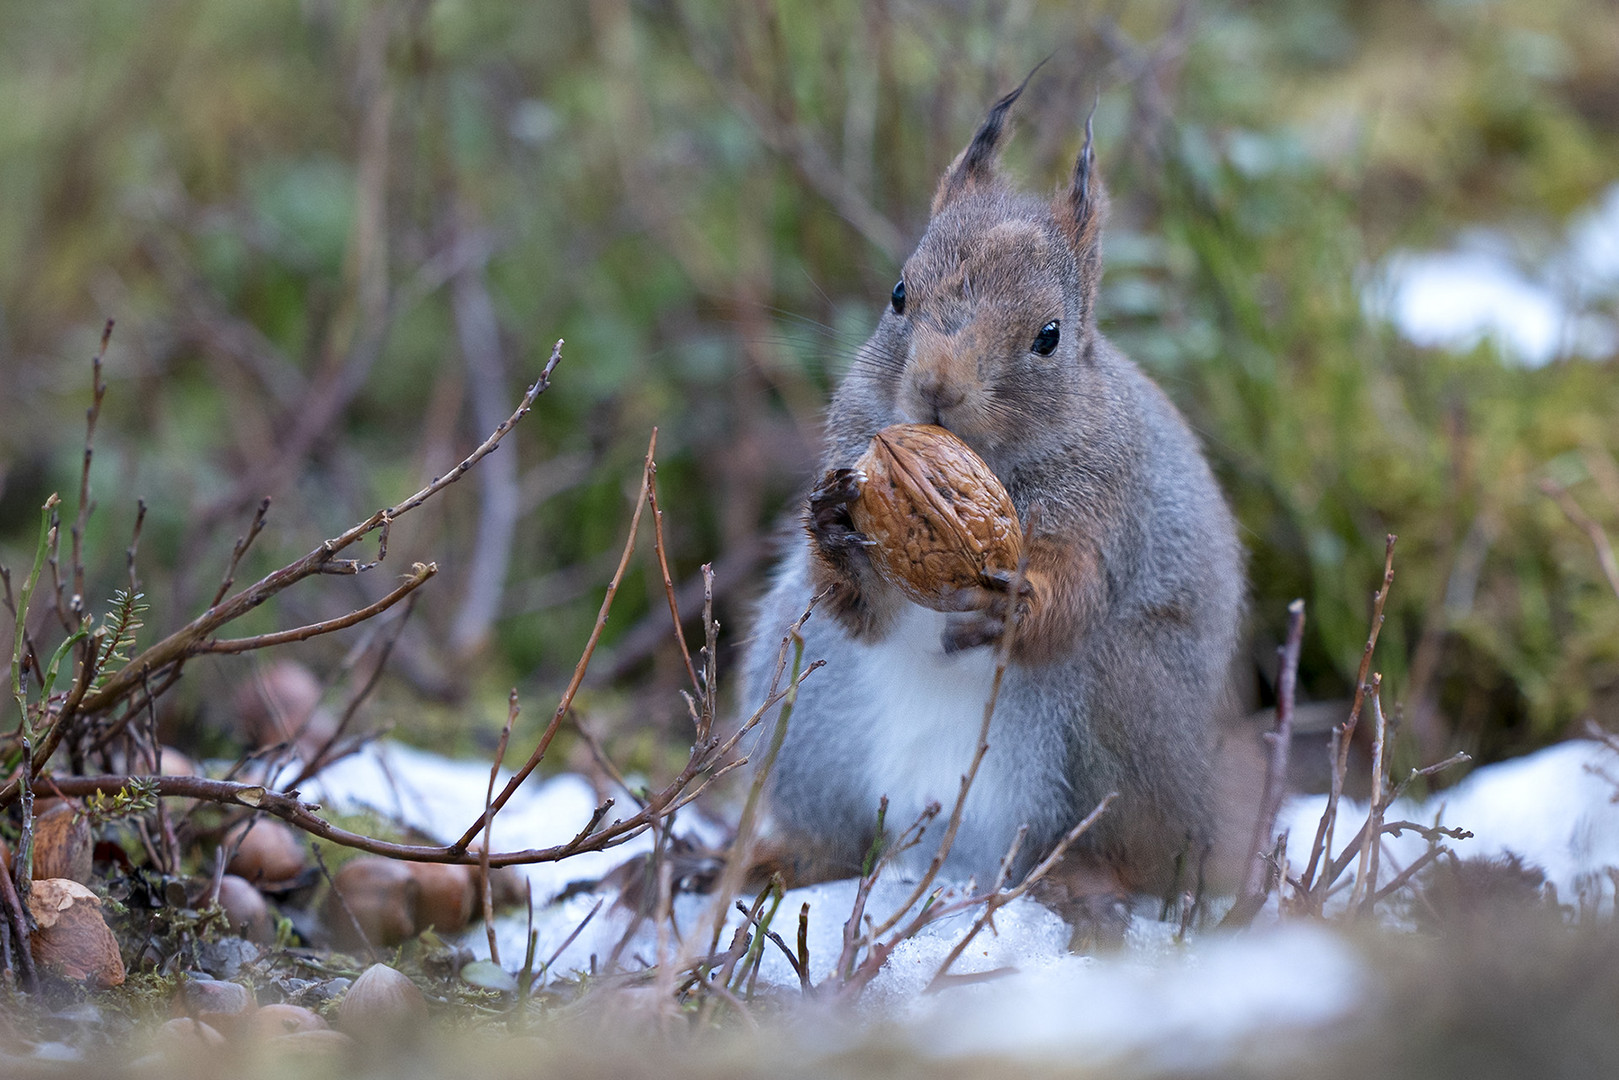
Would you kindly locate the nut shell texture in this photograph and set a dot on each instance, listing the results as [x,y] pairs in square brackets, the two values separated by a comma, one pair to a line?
[938,518]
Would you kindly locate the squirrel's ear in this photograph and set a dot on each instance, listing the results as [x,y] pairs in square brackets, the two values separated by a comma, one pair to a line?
[974,167]
[1079,210]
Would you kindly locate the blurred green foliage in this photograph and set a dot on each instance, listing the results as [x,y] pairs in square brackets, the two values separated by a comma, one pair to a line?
[278,203]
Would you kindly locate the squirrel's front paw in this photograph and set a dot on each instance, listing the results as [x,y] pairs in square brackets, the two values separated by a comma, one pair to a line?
[982,611]
[972,629]
[828,518]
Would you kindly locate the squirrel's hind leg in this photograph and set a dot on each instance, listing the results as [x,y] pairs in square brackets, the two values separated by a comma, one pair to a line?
[1091,898]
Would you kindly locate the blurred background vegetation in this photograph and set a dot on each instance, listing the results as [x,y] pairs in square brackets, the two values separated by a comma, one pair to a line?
[339,238]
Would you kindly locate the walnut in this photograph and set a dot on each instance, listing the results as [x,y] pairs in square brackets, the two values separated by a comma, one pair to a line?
[939,519]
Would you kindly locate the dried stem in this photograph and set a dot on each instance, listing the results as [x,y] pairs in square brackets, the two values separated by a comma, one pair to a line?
[324,755]
[1372,835]
[18,922]
[581,667]
[1345,732]
[1003,657]
[239,549]
[98,390]
[997,899]
[879,952]
[183,642]
[1255,883]
[668,583]
[418,577]
[1593,531]
[487,889]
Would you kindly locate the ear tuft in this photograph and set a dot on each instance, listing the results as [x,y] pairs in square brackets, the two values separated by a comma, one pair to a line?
[975,166]
[1079,210]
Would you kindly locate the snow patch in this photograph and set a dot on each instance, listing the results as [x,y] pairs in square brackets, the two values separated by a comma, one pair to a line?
[1538,307]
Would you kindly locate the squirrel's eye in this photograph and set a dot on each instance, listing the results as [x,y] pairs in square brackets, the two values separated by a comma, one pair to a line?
[898,297]
[1045,342]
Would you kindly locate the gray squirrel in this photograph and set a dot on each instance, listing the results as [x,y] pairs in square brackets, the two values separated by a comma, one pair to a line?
[1127,621]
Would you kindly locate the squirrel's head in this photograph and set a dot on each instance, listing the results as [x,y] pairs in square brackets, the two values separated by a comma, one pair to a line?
[992,326]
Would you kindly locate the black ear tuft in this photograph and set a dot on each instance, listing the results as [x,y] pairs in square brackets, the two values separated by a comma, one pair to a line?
[1080,207]
[975,166]
[1083,195]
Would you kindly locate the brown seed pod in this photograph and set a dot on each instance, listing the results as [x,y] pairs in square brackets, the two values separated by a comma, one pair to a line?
[62,844]
[73,940]
[284,1019]
[448,898]
[268,852]
[246,909]
[382,1003]
[317,1044]
[223,1006]
[282,703]
[938,517]
[184,1039]
[381,894]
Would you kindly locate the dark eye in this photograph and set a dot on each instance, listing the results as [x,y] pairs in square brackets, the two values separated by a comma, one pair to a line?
[898,297]
[1045,342]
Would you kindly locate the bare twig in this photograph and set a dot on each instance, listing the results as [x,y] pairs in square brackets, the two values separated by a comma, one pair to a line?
[775,939]
[1003,657]
[573,936]
[668,585]
[324,755]
[582,666]
[740,855]
[487,889]
[98,390]
[997,899]
[1345,732]
[1254,885]
[180,644]
[478,331]
[239,549]
[1372,842]
[18,923]
[418,577]
[1586,524]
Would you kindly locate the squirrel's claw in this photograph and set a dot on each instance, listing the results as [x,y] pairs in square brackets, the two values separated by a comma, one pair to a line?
[971,629]
[1001,581]
[980,613]
[828,517]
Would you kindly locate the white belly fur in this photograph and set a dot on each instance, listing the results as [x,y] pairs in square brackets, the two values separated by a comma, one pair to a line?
[928,709]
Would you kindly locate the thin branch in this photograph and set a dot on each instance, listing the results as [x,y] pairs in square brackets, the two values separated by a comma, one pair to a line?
[324,755]
[487,889]
[1346,731]
[17,921]
[478,332]
[239,549]
[1586,524]
[1254,886]
[582,666]
[1003,658]
[177,645]
[998,899]
[668,584]
[419,575]
[98,390]
[1371,843]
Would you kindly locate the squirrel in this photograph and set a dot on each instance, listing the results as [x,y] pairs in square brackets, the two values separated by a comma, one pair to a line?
[1128,619]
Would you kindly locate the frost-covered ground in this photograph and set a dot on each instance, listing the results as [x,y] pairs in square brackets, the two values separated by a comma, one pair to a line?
[1158,1004]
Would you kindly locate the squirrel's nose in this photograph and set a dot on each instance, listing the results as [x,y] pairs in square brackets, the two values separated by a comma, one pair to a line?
[939,395]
